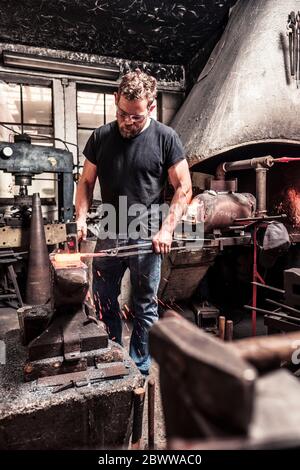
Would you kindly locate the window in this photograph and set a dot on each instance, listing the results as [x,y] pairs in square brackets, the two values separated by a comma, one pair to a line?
[26,109]
[93,110]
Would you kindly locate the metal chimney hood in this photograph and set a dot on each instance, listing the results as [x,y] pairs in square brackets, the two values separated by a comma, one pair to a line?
[245,94]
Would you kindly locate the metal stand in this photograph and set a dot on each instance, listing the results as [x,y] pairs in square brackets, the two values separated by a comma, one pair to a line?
[255,277]
[6,260]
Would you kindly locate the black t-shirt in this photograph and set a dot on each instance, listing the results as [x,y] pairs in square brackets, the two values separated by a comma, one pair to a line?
[135,167]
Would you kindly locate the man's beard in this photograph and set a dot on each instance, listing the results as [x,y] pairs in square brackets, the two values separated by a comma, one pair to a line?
[129,133]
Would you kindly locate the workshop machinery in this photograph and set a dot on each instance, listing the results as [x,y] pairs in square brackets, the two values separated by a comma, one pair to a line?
[27,162]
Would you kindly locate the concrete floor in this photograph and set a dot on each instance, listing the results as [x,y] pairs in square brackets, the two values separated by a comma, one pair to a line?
[8,319]
[242,328]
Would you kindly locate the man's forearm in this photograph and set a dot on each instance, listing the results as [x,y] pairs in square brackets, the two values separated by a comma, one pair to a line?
[84,198]
[182,197]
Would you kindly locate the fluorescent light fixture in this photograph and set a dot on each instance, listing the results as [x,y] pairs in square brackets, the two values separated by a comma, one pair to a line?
[50,64]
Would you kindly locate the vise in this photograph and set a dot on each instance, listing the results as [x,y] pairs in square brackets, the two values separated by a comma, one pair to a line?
[233,393]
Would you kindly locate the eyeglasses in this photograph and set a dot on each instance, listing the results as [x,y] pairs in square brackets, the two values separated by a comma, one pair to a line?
[134,117]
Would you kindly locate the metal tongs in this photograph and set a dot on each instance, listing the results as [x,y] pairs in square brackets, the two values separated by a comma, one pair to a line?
[293,31]
[144,248]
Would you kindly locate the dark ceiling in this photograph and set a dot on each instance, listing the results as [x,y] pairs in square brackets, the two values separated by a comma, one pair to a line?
[170,32]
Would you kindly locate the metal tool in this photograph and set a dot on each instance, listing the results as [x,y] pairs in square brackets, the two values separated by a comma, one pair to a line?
[275,289]
[84,383]
[284,306]
[291,28]
[276,313]
[123,251]
[66,386]
[293,32]
[76,384]
[83,378]
[297,59]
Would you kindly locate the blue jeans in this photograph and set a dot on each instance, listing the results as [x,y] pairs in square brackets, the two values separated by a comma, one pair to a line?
[144,277]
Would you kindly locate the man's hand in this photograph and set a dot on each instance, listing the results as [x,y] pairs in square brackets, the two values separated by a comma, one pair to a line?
[84,196]
[81,229]
[162,241]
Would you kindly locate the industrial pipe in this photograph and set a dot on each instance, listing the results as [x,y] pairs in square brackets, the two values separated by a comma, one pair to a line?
[261,165]
[265,162]
[261,190]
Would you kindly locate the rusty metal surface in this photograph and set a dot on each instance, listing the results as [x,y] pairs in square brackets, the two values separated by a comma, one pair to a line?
[244,95]
[57,365]
[222,185]
[51,342]
[201,381]
[52,367]
[190,401]
[33,321]
[71,342]
[33,417]
[105,372]
[11,237]
[182,271]
[219,211]
[275,423]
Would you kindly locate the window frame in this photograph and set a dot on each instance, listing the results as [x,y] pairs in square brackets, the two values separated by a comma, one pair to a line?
[29,81]
[92,89]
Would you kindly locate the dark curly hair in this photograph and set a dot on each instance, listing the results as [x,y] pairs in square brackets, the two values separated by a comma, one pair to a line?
[138,85]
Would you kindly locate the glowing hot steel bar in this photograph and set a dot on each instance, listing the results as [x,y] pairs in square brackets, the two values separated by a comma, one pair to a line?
[66,258]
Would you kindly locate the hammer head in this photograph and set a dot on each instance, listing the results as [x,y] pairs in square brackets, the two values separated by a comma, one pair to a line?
[207,389]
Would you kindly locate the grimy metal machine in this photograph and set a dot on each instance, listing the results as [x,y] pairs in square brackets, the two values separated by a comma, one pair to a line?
[27,162]
[24,160]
